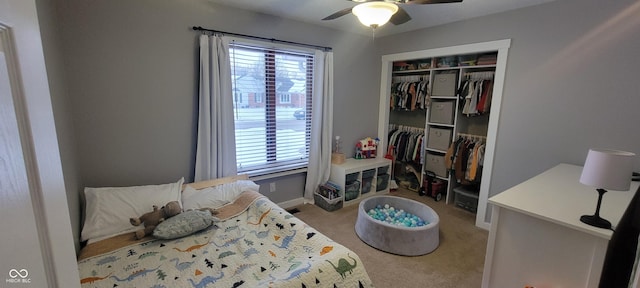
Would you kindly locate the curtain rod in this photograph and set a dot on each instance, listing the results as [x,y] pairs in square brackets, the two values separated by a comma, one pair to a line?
[198,28]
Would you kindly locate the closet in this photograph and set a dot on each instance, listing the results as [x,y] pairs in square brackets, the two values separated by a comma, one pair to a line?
[439,109]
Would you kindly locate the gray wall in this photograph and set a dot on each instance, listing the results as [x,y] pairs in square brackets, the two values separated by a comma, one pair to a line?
[571,81]
[131,71]
[131,77]
[62,110]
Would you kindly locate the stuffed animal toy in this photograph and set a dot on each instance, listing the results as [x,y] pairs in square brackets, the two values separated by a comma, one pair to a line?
[153,218]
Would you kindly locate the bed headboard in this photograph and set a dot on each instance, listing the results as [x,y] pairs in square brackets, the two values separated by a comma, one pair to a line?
[215,182]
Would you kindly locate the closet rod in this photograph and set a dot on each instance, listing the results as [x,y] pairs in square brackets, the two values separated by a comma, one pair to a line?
[198,28]
[406,128]
[472,136]
[482,74]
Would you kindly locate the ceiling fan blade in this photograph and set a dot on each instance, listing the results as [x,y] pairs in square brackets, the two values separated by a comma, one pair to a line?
[400,17]
[338,14]
[432,1]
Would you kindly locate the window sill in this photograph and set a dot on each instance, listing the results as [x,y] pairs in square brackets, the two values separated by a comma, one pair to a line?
[258,177]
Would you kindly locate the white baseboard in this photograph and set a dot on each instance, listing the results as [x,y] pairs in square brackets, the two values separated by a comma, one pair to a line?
[291,203]
[484,225]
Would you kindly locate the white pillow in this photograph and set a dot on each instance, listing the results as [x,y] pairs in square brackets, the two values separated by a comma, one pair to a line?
[108,209]
[217,196]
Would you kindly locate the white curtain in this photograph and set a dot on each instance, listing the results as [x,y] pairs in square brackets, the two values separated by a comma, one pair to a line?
[216,147]
[321,124]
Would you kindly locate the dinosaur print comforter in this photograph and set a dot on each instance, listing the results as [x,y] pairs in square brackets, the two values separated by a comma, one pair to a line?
[262,246]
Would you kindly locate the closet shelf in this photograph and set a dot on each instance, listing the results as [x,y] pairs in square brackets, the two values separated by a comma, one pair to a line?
[435,150]
[445,97]
[441,124]
[398,72]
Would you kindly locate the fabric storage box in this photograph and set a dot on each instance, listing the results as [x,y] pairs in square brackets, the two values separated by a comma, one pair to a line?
[444,84]
[447,61]
[351,177]
[442,112]
[366,185]
[352,190]
[466,199]
[383,170]
[368,173]
[382,182]
[467,60]
[327,204]
[435,163]
[439,138]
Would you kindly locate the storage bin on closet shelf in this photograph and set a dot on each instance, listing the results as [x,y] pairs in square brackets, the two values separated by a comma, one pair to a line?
[442,112]
[439,138]
[436,164]
[444,84]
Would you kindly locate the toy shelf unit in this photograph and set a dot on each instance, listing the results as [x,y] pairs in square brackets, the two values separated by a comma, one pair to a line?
[361,178]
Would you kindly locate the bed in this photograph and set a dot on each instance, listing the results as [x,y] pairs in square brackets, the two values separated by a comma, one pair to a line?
[252,243]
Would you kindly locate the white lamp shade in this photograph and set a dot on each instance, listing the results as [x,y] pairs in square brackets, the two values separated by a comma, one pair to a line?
[374,13]
[608,169]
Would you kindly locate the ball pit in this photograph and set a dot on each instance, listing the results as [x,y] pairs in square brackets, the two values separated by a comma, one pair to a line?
[391,234]
[391,215]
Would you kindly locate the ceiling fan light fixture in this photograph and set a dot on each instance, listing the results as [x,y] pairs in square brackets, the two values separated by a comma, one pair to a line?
[374,14]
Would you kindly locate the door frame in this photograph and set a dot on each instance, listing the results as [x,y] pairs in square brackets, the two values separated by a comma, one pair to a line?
[22,45]
[502,46]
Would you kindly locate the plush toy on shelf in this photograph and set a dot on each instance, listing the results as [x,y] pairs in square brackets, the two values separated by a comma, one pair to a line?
[151,219]
[366,148]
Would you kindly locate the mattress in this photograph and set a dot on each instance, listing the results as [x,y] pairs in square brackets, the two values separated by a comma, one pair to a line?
[255,244]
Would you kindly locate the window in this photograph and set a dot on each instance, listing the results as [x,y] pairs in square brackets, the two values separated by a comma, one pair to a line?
[285,98]
[237,97]
[270,135]
[259,98]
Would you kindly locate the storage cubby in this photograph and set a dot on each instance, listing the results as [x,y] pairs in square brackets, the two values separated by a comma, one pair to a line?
[361,178]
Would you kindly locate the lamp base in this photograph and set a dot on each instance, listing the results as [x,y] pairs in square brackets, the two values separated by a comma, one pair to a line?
[596,221]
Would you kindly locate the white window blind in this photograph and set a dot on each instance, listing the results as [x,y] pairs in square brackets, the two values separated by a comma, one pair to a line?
[272,89]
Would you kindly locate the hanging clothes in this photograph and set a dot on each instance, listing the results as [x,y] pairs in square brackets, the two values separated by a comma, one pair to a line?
[409,93]
[464,160]
[407,142]
[476,93]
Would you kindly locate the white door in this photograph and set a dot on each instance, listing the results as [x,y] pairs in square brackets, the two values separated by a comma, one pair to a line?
[36,244]
[20,244]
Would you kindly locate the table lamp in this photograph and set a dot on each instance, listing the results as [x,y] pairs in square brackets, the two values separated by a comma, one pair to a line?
[606,169]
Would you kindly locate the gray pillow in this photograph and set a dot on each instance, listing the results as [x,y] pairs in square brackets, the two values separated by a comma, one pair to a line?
[183,224]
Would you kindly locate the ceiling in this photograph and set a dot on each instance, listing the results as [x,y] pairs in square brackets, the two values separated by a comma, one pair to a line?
[312,11]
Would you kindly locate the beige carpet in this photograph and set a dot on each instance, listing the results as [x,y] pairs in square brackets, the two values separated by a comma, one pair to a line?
[457,262]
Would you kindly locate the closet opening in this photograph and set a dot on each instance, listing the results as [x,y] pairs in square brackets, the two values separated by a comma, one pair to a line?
[439,112]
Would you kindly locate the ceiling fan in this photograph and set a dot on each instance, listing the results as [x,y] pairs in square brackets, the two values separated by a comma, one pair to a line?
[389,7]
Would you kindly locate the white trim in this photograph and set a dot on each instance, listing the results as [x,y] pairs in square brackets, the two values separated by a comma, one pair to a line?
[277,174]
[502,46]
[492,136]
[37,131]
[445,51]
